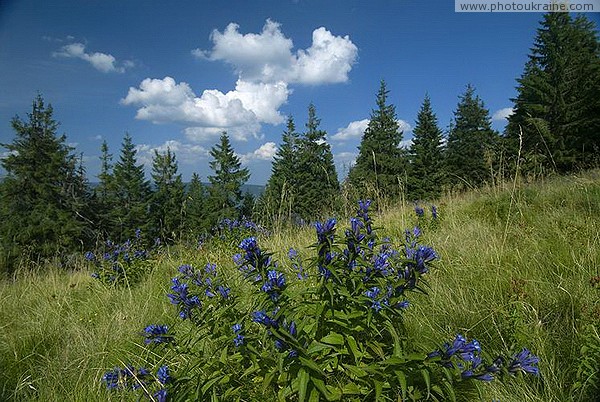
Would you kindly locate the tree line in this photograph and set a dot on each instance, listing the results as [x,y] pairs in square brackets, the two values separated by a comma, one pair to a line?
[48,206]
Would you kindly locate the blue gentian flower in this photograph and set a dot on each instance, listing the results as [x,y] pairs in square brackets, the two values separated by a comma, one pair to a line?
[292,254]
[238,340]
[157,334]
[262,318]
[325,231]
[524,361]
[163,375]
[419,211]
[161,395]
[223,291]
[111,378]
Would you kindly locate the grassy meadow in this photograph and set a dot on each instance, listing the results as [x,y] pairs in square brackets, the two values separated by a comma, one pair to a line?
[519,267]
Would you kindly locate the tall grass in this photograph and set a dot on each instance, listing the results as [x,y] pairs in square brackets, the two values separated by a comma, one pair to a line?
[515,271]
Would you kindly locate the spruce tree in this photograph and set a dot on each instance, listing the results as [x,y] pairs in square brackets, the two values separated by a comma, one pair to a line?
[43,195]
[426,169]
[471,146]
[104,193]
[167,200]
[131,192]
[279,199]
[557,108]
[195,208]
[317,183]
[225,191]
[381,164]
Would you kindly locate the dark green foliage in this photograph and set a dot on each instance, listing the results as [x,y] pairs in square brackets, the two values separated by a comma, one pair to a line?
[279,198]
[247,205]
[317,183]
[44,194]
[381,163]
[470,152]
[194,208]
[166,202]
[557,106]
[225,191]
[105,194]
[426,167]
[131,192]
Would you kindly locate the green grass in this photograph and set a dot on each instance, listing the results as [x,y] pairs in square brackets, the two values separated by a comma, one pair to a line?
[516,271]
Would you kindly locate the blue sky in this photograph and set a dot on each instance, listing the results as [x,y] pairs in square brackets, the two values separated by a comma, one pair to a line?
[178,73]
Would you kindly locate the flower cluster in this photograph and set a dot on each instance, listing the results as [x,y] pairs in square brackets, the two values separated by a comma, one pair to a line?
[379,299]
[282,346]
[274,284]
[239,337]
[253,262]
[155,334]
[325,238]
[263,318]
[231,225]
[466,356]
[120,263]
[129,377]
[205,279]
[297,264]
[182,298]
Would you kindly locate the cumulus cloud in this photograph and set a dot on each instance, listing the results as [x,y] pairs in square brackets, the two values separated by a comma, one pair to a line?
[104,62]
[268,56]
[266,66]
[240,111]
[186,154]
[265,152]
[6,154]
[502,114]
[344,161]
[355,130]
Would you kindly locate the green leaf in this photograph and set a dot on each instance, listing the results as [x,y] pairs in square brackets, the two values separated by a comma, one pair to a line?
[351,389]
[356,371]
[223,358]
[316,347]
[402,380]
[353,348]
[333,339]
[311,365]
[314,395]
[378,389]
[210,383]
[303,378]
[427,379]
[450,390]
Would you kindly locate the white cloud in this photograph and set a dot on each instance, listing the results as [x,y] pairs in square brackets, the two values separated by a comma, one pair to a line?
[186,154]
[104,62]
[502,114]
[344,161]
[6,154]
[328,60]
[355,130]
[268,56]
[405,143]
[265,65]
[239,112]
[265,152]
